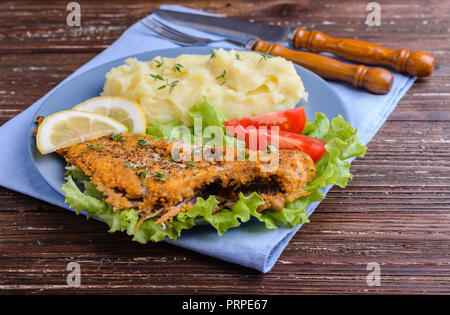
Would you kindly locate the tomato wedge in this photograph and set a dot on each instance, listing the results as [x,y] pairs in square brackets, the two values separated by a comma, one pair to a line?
[292,120]
[260,138]
[315,148]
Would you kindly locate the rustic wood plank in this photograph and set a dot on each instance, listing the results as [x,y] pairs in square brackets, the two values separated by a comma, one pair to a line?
[39,73]
[103,22]
[395,212]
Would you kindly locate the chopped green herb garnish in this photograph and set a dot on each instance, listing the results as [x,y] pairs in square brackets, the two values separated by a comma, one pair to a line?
[222,77]
[157,77]
[143,174]
[266,55]
[238,57]
[128,164]
[160,62]
[191,164]
[177,67]
[160,176]
[213,54]
[117,137]
[100,147]
[271,149]
[142,142]
[173,84]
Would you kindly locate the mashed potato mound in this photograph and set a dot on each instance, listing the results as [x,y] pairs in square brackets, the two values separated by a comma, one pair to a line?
[238,83]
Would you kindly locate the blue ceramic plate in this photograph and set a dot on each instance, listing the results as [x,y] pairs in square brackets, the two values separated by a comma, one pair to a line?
[90,84]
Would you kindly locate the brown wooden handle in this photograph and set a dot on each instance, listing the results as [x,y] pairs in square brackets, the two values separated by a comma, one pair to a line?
[375,80]
[419,64]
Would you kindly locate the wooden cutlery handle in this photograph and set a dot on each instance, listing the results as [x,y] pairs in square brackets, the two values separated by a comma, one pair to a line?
[419,64]
[375,80]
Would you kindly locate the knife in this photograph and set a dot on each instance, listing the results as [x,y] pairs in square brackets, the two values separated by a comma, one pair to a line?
[418,64]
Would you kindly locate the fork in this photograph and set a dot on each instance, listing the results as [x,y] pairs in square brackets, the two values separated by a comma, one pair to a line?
[184,39]
[375,80]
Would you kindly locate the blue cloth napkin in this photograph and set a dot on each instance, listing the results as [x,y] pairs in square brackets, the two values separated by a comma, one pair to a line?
[251,244]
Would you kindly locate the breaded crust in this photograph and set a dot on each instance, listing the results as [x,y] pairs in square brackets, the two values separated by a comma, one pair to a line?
[139,172]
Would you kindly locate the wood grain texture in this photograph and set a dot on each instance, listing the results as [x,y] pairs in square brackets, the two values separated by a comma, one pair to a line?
[417,63]
[395,212]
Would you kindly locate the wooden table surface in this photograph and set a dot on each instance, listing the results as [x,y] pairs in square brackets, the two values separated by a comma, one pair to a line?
[395,212]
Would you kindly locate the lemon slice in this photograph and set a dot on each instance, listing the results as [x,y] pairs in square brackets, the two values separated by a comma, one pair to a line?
[124,110]
[68,127]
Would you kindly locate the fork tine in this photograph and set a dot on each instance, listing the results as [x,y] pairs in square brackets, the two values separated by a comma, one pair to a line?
[182,35]
[156,29]
[172,34]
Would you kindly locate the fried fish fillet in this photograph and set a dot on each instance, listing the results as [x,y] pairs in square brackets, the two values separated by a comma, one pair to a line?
[138,172]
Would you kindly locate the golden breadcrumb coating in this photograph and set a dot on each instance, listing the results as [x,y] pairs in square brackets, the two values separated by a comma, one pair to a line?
[138,172]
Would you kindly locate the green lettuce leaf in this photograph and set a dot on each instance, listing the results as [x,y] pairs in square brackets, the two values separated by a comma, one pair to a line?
[332,169]
[342,143]
[208,114]
[163,131]
[124,220]
[127,220]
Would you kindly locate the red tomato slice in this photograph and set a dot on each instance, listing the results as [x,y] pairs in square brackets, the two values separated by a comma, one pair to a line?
[315,148]
[260,138]
[292,120]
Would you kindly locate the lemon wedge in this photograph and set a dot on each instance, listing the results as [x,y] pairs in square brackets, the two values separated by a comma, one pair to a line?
[68,127]
[124,110]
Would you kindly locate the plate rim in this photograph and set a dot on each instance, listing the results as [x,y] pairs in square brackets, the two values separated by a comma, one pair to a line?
[32,127]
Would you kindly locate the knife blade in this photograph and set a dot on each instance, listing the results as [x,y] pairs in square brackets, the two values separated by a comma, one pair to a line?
[228,27]
[418,64]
